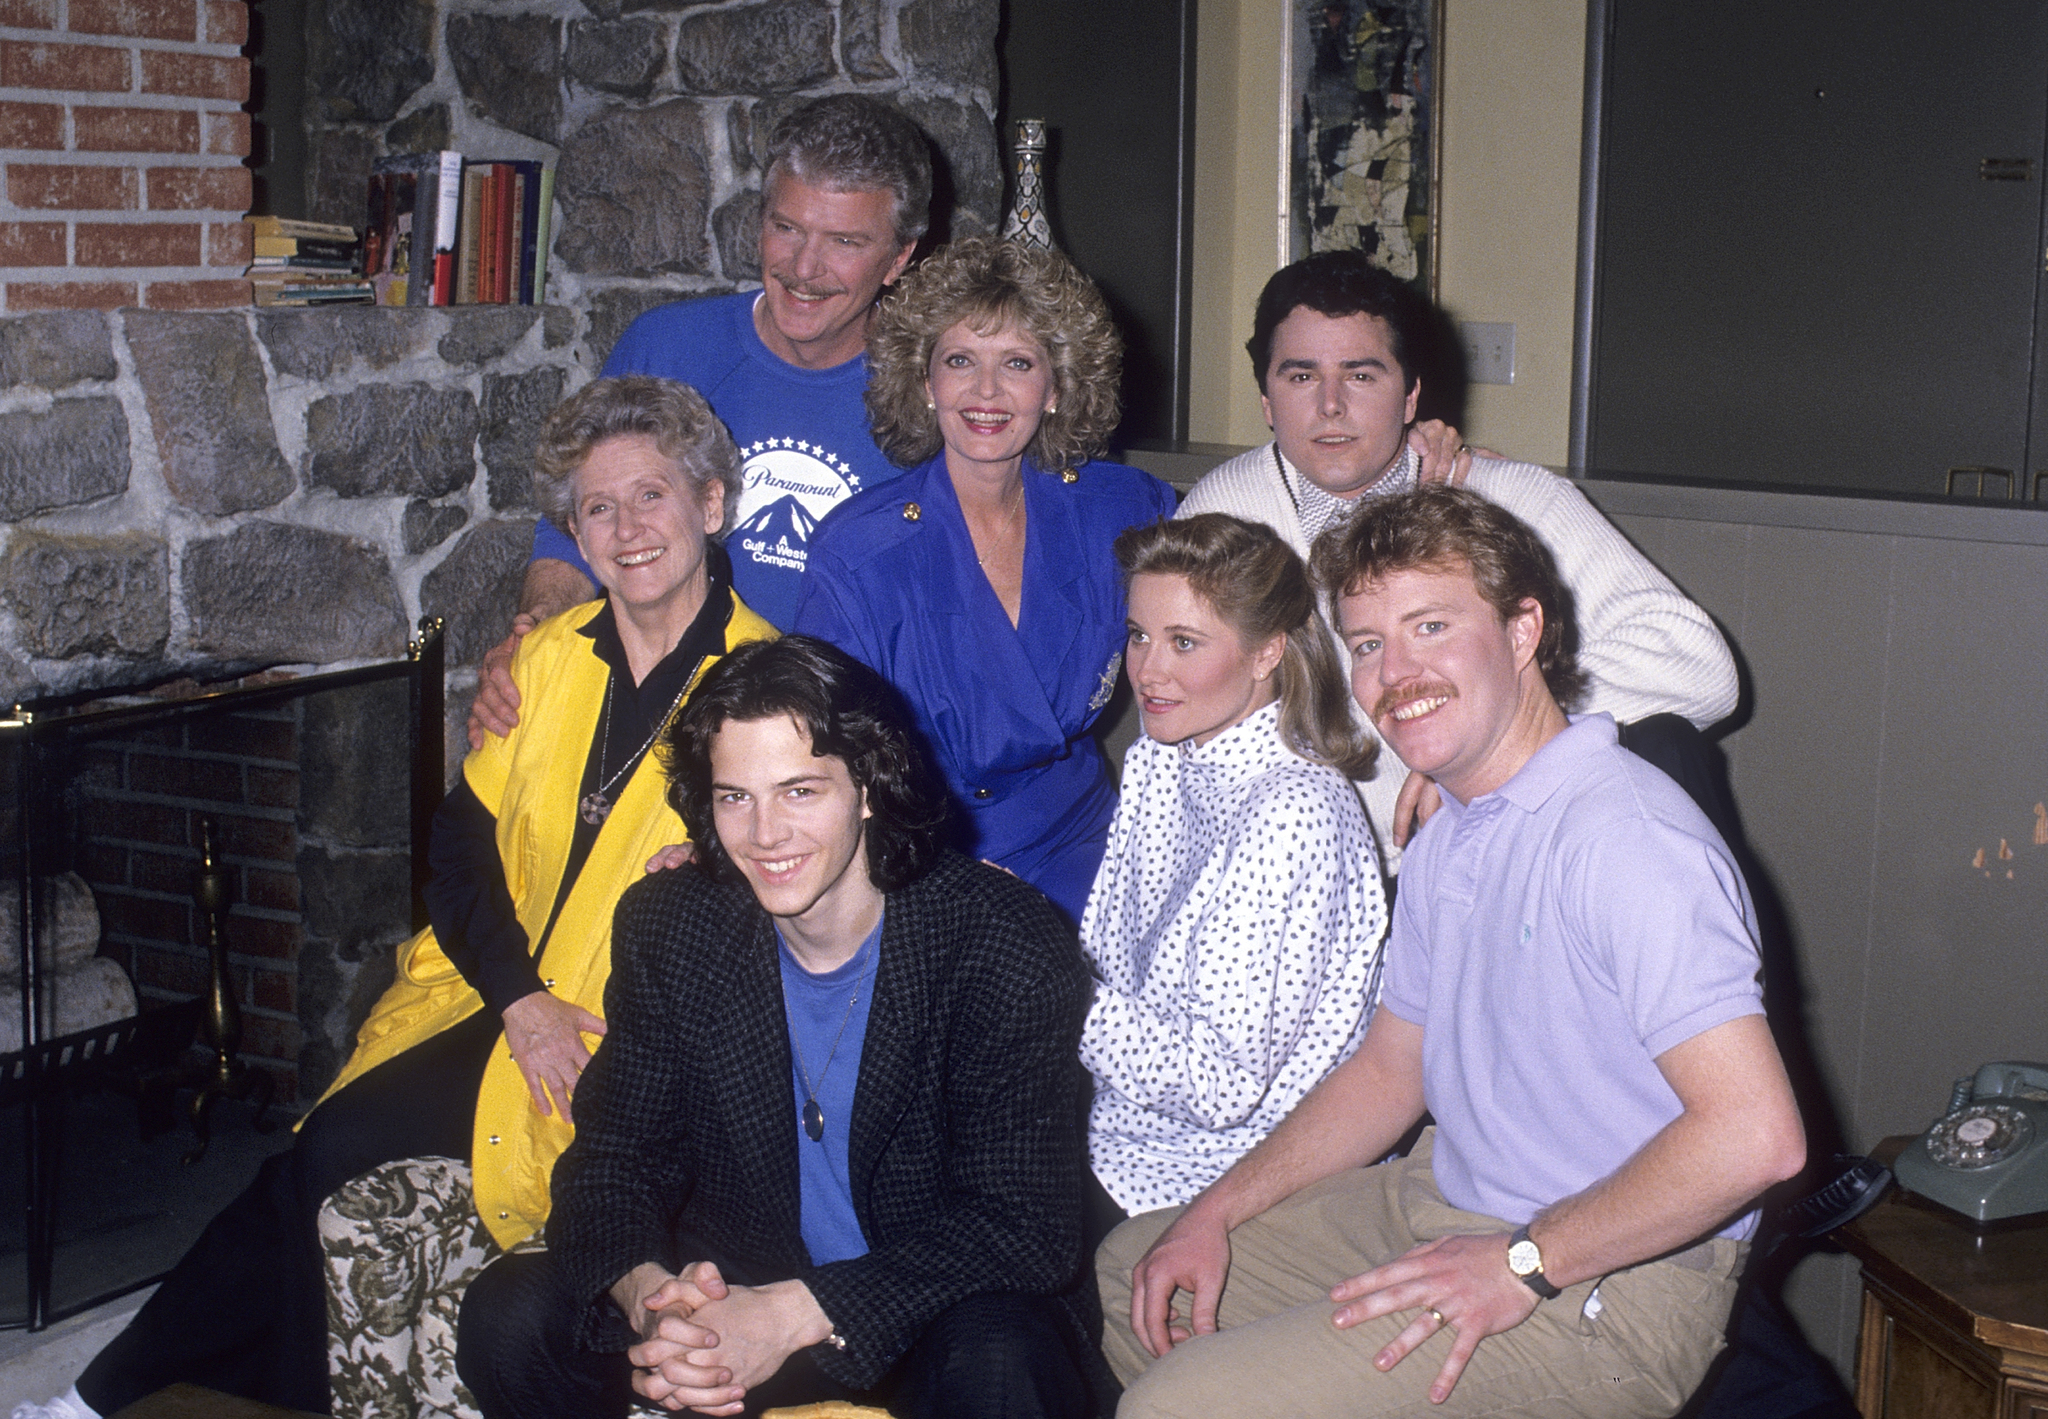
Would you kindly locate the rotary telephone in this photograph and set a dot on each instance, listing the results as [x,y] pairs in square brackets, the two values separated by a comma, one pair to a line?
[1987,1157]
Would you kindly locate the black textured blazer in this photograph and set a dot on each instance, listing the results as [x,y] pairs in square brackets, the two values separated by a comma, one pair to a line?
[966,1153]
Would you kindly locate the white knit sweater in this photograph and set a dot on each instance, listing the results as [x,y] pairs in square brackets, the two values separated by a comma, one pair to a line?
[1646,649]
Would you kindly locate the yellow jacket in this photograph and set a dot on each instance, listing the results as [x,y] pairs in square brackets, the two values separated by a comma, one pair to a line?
[529,781]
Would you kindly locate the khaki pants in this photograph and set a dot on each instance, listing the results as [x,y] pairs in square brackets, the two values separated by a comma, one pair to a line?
[1275,1352]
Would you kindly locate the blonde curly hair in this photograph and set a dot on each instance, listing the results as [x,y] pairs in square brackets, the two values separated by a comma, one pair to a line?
[991,284]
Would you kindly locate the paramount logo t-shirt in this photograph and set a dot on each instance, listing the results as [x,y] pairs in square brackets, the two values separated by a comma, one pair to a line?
[803,436]
[790,485]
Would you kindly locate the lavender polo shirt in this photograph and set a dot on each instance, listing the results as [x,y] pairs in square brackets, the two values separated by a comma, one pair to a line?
[1552,938]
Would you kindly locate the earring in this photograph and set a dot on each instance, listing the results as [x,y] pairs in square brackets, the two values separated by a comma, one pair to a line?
[931,404]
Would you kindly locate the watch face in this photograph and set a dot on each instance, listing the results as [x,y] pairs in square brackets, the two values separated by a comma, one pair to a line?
[1523,1258]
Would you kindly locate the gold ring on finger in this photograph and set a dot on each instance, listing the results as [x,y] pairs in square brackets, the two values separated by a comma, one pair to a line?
[1432,1310]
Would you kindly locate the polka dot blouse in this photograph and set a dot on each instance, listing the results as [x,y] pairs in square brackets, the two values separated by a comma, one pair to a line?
[1236,924]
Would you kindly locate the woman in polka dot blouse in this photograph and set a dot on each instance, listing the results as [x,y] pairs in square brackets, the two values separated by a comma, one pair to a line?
[1237,918]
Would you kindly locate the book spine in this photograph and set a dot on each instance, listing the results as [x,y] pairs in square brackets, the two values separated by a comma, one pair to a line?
[501,270]
[546,237]
[529,227]
[472,234]
[447,222]
[487,253]
[300,263]
[303,246]
[516,237]
[287,227]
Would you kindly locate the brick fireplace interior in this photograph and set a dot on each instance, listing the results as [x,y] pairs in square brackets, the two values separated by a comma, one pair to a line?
[309,802]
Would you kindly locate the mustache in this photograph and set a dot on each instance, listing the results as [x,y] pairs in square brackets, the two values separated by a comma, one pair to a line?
[1408,694]
[806,288]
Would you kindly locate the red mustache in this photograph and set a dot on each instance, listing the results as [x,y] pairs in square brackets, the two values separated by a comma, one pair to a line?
[1407,695]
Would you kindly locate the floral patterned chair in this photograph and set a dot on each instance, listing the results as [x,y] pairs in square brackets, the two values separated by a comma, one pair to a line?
[402,1243]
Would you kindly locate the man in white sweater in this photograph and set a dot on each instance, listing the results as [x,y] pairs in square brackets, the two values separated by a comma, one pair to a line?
[1333,348]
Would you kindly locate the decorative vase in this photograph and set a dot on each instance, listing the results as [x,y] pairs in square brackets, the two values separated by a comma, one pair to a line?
[1026,224]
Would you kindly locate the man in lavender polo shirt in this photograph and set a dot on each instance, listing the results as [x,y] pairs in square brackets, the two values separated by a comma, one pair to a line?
[1571,989]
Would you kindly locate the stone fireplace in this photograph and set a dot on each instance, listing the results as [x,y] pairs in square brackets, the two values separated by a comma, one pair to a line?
[201,492]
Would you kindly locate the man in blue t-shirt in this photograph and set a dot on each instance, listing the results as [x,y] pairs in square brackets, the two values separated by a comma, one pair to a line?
[844,202]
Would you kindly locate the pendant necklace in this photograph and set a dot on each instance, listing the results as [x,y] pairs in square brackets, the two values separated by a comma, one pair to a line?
[1009,526]
[814,1116]
[594,808]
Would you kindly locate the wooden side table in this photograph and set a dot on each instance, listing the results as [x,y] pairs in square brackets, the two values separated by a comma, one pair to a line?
[1955,1321]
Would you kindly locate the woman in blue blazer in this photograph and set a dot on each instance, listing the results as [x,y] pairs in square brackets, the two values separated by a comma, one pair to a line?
[981,583]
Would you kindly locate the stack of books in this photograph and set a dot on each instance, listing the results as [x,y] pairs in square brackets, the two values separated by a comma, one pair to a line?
[446,230]
[306,263]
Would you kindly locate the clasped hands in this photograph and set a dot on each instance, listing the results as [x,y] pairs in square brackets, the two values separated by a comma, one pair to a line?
[1458,1282]
[704,1344]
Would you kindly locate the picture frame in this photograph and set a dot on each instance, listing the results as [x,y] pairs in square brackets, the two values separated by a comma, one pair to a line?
[1362,136]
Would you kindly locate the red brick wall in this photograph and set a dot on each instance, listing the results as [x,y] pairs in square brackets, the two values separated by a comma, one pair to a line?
[121,140]
[143,798]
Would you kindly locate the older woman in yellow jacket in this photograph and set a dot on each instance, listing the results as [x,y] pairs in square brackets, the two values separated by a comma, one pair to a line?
[475,1050]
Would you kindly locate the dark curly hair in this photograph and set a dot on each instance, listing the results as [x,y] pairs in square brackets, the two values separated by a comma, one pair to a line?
[991,284]
[850,713]
[1438,526]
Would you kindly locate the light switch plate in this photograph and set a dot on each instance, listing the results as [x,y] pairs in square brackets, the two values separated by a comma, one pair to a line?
[1489,351]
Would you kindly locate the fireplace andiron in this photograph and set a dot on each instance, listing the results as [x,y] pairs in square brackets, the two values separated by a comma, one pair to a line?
[226,1075]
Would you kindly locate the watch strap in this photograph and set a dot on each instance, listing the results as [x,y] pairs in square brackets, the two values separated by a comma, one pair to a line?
[1533,1278]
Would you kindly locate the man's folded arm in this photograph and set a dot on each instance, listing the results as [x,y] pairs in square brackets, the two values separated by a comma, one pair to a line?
[1646,647]
[1739,1133]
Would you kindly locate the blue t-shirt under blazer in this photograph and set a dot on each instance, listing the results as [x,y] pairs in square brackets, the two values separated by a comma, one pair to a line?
[828,1026]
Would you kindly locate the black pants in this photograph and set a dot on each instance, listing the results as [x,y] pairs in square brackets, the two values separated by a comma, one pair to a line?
[989,1357]
[245,1311]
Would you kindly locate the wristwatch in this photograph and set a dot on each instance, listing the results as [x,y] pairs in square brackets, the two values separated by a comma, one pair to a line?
[1525,1259]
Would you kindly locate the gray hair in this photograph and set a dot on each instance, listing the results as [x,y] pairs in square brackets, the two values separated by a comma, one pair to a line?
[674,415]
[850,142]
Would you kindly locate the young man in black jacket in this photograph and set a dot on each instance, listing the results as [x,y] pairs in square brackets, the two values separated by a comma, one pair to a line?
[829,1147]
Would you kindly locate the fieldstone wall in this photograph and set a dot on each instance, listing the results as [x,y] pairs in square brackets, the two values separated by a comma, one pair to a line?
[656,114]
[196,493]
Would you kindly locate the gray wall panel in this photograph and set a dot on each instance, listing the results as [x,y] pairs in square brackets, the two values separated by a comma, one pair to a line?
[1896,661]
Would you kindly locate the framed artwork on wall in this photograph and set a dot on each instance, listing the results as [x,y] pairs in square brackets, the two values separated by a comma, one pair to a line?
[1362,142]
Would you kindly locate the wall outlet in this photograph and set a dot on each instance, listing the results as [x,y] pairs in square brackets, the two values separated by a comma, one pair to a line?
[1489,351]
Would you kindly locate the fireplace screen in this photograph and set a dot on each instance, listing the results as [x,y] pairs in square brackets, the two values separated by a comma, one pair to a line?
[205,888]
